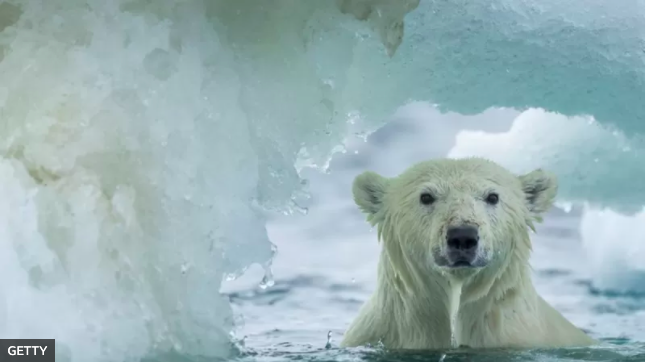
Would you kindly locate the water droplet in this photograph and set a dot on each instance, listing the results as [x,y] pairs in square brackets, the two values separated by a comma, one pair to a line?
[352,280]
[454,338]
[329,83]
[299,202]
[231,277]
[235,275]
[442,358]
[328,343]
[185,267]
[267,280]
[362,135]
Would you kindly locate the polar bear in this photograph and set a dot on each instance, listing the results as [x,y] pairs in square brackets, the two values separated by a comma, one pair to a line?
[454,268]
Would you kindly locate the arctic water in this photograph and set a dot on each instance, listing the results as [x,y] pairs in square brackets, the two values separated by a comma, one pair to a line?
[175,175]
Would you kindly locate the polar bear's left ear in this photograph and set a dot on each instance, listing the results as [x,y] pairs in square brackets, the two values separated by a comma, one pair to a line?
[368,190]
[540,189]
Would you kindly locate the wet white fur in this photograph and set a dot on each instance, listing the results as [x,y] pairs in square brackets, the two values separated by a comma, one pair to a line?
[416,301]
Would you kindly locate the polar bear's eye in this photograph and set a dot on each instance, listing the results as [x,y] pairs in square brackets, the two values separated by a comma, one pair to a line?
[492,199]
[426,198]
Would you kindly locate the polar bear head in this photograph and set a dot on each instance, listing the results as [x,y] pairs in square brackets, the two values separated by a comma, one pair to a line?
[455,216]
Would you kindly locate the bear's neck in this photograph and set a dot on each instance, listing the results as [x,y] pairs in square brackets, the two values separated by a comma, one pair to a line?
[424,298]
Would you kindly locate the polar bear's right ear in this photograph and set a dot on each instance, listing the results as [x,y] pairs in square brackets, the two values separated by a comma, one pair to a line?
[368,190]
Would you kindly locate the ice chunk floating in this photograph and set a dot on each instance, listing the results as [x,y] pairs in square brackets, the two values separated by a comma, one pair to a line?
[140,140]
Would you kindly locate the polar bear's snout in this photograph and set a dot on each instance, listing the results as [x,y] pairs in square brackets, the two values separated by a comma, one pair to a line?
[462,245]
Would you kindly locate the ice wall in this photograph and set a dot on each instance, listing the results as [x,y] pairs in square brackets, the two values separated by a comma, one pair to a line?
[139,143]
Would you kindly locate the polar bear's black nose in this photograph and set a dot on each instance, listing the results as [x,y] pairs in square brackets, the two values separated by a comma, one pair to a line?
[462,237]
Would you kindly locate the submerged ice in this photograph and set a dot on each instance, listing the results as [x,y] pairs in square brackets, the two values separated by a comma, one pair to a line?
[141,141]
